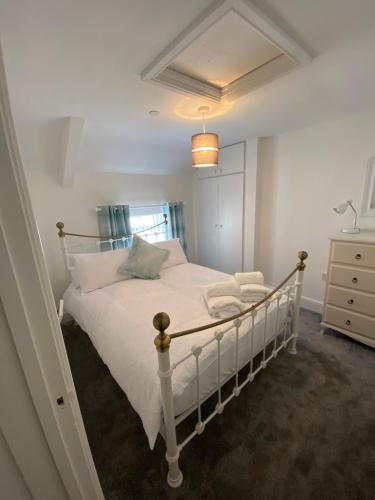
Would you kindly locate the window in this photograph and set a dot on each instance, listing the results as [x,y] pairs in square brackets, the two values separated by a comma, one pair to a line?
[143,218]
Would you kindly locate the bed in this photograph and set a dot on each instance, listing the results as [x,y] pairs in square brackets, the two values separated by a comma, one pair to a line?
[124,339]
[197,356]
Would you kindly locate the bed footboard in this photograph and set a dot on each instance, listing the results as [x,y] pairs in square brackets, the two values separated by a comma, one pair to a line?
[290,293]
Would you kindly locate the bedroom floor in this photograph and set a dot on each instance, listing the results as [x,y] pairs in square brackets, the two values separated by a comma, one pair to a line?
[305,429]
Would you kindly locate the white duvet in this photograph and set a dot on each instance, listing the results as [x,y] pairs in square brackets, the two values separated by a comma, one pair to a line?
[118,320]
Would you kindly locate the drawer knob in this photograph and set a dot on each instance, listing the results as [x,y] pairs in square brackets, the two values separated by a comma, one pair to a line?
[350,301]
[358,256]
[355,280]
[348,322]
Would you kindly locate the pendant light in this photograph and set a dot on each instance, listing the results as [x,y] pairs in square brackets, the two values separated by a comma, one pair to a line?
[205,146]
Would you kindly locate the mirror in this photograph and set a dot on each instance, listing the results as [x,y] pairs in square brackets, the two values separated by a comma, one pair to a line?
[368,201]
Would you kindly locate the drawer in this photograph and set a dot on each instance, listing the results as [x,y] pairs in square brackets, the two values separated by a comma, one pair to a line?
[351,321]
[351,300]
[351,277]
[354,254]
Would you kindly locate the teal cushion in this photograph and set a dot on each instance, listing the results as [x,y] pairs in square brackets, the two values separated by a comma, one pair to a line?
[144,260]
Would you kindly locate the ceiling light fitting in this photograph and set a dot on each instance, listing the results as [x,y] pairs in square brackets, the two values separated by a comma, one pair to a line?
[205,146]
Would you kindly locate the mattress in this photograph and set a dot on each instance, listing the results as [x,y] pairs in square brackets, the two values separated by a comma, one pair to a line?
[118,320]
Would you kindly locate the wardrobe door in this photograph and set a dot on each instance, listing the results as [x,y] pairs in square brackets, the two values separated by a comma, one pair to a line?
[232,159]
[208,222]
[230,223]
[207,172]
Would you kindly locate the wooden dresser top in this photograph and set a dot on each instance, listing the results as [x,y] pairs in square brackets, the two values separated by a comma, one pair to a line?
[362,237]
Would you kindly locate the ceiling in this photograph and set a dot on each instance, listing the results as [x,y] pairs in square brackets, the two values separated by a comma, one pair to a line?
[84,57]
[223,52]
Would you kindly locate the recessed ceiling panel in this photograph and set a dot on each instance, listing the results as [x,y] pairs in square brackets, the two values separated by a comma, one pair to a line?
[225,52]
[222,54]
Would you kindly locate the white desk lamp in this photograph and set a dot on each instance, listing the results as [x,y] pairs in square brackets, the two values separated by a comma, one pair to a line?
[341,209]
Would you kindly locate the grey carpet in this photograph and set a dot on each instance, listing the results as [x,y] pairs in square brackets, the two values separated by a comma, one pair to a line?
[304,429]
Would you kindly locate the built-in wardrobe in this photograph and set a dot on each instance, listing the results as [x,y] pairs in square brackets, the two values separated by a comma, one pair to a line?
[220,211]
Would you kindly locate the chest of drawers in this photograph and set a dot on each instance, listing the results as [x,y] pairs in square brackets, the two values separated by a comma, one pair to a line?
[349,304]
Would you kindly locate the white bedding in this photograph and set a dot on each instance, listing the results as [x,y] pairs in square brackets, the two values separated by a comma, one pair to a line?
[118,320]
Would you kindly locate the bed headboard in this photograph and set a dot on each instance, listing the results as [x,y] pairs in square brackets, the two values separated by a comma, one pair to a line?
[62,234]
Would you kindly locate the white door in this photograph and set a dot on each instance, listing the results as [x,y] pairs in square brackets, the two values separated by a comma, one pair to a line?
[230,223]
[30,329]
[208,208]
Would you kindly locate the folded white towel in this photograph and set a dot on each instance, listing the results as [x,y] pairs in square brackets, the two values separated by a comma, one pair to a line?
[228,287]
[224,306]
[253,288]
[252,300]
[253,292]
[253,295]
[255,278]
[223,298]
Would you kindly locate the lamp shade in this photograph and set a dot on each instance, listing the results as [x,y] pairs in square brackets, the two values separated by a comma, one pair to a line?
[341,209]
[205,150]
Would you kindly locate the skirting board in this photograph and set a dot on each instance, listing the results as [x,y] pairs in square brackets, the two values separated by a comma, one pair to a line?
[312,304]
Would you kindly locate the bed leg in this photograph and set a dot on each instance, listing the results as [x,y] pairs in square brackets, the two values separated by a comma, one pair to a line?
[162,342]
[297,302]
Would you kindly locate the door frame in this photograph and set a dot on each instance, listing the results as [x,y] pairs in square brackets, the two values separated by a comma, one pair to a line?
[29,306]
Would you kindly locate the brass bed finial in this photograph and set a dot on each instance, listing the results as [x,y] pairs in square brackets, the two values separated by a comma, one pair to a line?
[60,226]
[302,255]
[161,322]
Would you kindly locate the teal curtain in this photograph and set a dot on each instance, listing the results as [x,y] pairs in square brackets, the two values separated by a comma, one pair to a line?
[176,222]
[114,222]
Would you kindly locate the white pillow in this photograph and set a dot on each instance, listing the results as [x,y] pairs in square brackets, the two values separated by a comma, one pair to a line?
[176,254]
[73,272]
[97,270]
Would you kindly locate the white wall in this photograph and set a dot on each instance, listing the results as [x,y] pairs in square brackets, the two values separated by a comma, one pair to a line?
[75,206]
[299,176]
[250,191]
[302,175]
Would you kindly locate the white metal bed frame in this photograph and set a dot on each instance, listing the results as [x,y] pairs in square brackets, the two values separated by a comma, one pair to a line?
[162,342]
[161,321]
